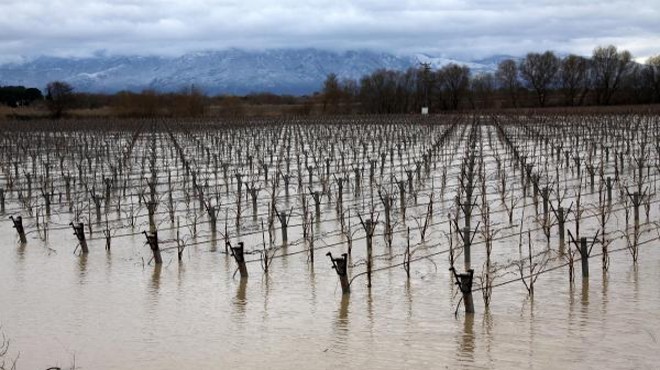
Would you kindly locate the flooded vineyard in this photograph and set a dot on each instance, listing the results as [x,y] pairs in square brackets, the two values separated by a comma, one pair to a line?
[360,242]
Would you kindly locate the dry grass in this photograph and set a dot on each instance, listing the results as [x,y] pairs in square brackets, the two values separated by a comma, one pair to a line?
[7,113]
[279,110]
[28,113]
[263,110]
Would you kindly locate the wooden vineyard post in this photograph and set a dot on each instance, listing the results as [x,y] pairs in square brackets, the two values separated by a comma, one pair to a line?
[151,209]
[152,240]
[358,184]
[18,225]
[467,237]
[466,208]
[254,193]
[561,215]
[239,184]
[545,195]
[402,197]
[28,177]
[636,203]
[340,193]
[310,173]
[607,154]
[369,226]
[311,240]
[108,189]
[372,171]
[316,195]
[284,221]
[409,177]
[584,252]
[464,282]
[97,204]
[387,204]
[79,232]
[48,198]
[467,246]
[406,264]
[108,236]
[239,256]
[226,234]
[561,219]
[213,217]
[340,266]
[327,167]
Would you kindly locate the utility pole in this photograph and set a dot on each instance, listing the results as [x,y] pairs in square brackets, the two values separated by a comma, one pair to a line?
[426,69]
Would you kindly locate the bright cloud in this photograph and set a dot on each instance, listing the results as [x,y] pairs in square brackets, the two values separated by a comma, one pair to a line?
[463,29]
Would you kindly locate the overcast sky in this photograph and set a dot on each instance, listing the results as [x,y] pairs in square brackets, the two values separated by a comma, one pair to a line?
[460,29]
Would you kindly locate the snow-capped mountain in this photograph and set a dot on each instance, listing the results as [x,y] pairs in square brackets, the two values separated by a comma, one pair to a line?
[235,71]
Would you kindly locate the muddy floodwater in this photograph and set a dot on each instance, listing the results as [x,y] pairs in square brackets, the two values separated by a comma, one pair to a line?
[117,309]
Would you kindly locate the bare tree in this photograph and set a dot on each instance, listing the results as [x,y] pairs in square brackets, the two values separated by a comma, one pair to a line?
[331,93]
[59,96]
[455,81]
[652,75]
[377,91]
[507,75]
[482,87]
[189,102]
[540,70]
[349,91]
[609,66]
[637,84]
[574,78]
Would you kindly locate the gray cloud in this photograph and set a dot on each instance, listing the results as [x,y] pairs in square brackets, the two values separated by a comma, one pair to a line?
[463,29]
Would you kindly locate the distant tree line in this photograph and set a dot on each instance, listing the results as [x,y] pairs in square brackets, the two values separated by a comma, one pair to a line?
[608,77]
[189,101]
[16,96]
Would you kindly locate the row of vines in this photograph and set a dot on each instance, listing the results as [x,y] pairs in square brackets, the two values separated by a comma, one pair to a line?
[501,199]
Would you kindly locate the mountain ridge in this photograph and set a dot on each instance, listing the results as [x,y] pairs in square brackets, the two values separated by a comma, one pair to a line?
[230,71]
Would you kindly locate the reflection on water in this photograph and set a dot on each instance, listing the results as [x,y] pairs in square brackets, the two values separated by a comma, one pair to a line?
[312,286]
[20,252]
[606,282]
[155,279]
[341,323]
[108,260]
[266,290]
[635,281]
[467,339]
[82,267]
[488,332]
[343,310]
[409,299]
[370,307]
[116,313]
[181,273]
[214,240]
[176,314]
[341,326]
[571,303]
[585,292]
[240,300]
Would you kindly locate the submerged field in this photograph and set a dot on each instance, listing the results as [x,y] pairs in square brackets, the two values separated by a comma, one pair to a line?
[150,279]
